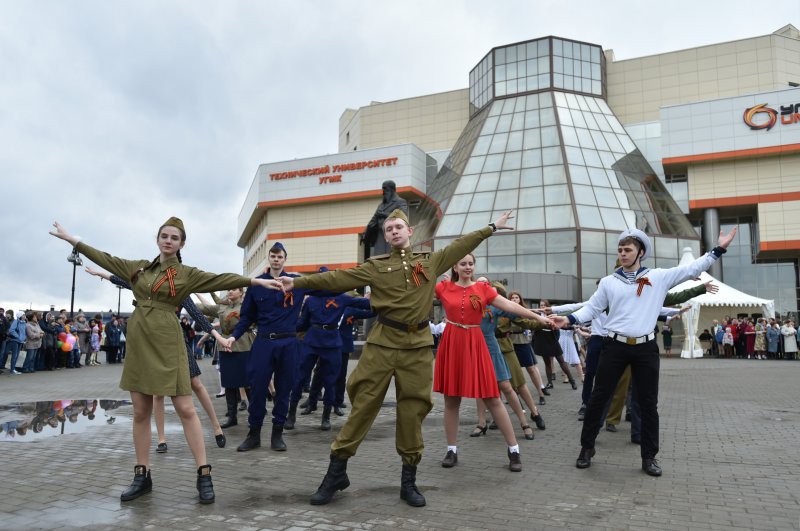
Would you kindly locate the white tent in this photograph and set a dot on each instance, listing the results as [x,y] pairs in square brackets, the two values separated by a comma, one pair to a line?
[713,306]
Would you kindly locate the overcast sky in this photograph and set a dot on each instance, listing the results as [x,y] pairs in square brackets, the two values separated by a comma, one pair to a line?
[116,115]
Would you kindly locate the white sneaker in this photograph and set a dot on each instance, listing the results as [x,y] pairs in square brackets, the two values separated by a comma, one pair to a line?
[15,372]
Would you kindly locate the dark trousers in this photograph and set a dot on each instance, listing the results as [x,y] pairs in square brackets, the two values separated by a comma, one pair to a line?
[644,362]
[341,383]
[111,354]
[593,349]
[330,360]
[267,358]
[636,414]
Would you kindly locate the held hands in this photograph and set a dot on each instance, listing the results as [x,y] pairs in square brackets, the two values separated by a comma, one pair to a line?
[285,283]
[502,221]
[711,287]
[226,343]
[725,240]
[559,321]
[269,283]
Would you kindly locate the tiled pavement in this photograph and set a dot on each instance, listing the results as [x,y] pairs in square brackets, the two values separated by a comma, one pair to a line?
[729,448]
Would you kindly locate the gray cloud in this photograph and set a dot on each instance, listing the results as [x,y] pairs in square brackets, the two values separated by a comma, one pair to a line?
[115,116]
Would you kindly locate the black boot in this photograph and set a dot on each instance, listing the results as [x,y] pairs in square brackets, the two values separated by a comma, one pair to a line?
[141,484]
[308,408]
[573,384]
[205,488]
[276,439]
[335,479]
[408,487]
[231,401]
[291,418]
[325,425]
[338,411]
[253,440]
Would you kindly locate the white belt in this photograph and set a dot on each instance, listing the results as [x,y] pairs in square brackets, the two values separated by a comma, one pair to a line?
[632,340]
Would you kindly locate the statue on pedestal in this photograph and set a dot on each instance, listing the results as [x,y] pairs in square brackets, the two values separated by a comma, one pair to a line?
[373,240]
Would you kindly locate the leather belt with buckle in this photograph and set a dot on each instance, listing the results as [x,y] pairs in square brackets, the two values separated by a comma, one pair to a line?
[405,327]
[632,340]
[326,326]
[277,335]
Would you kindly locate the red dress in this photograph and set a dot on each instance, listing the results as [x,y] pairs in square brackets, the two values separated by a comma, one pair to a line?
[463,364]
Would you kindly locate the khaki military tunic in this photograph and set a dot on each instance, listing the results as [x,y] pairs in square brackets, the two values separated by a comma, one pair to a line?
[228,315]
[155,359]
[402,285]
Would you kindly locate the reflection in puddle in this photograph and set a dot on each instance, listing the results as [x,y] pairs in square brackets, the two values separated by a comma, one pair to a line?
[32,421]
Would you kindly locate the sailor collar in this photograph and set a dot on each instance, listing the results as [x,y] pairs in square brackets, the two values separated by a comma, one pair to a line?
[619,274]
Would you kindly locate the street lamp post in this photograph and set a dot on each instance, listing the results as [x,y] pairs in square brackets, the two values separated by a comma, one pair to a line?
[119,299]
[75,259]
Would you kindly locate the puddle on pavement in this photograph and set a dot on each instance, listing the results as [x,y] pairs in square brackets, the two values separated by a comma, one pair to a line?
[32,421]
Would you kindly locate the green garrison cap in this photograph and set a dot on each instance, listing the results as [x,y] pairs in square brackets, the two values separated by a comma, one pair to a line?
[174,222]
[399,214]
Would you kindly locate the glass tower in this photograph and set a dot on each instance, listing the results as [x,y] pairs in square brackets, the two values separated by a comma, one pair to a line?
[542,141]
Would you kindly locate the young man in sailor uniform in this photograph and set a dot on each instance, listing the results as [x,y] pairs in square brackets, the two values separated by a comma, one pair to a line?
[634,296]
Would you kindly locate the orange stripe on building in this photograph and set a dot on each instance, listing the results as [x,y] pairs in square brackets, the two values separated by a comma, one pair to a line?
[744,200]
[783,245]
[313,233]
[313,268]
[735,154]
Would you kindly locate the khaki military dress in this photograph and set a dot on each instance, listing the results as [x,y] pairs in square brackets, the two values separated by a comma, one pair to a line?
[155,360]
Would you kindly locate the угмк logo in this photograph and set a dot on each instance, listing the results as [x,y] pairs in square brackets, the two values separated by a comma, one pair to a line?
[771,117]
[790,114]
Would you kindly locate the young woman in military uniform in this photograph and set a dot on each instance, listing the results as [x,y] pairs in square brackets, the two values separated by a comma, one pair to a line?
[233,364]
[155,362]
[194,370]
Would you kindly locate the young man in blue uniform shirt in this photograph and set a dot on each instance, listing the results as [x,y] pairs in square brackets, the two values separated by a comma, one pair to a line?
[274,350]
[633,295]
[320,319]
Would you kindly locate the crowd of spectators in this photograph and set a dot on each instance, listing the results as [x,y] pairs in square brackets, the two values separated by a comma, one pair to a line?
[749,338]
[55,341]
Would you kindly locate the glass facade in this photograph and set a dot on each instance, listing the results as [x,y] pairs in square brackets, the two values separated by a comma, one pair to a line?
[541,64]
[561,160]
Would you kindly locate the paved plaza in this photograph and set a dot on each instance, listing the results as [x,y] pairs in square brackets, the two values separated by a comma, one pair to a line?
[729,448]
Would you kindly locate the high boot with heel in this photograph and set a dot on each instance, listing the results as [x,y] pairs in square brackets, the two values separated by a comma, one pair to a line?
[142,484]
[205,488]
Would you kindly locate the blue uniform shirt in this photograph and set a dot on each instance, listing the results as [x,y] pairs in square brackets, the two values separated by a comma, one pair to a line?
[320,313]
[346,326]
[271,309]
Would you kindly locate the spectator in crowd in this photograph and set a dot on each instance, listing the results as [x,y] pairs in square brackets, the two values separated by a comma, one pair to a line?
[760,345]
[123,324]
[5,322]
[113,333]
[706,341]
[666,337]
[49,342]
[33,341]
[17,333]
[727,342]
[94,342]
[789,333]
[81,329]
[60,355]
[773,338]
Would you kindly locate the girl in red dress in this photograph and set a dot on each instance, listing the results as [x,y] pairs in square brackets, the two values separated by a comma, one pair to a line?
[463,365]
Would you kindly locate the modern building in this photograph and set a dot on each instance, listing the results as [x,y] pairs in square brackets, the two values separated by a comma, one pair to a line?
[581,145]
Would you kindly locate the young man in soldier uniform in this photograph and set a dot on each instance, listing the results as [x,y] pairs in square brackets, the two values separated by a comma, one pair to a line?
[399,344]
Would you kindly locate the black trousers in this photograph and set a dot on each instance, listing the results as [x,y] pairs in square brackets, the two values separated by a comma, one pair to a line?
[644,362]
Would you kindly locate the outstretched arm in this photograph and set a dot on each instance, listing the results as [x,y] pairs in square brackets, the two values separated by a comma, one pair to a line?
[516,309]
